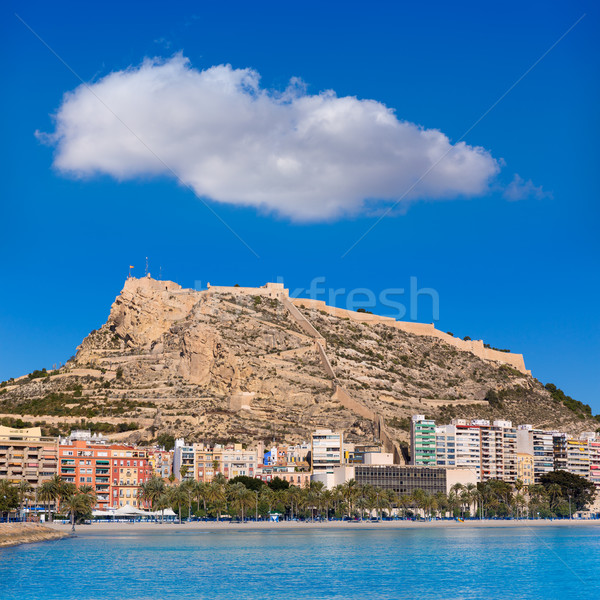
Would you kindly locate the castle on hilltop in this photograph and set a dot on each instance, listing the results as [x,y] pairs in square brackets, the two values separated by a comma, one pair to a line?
[279,292]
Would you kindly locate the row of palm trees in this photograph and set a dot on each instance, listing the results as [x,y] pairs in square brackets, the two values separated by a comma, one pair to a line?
[314,501]
[351,500]
[53,493]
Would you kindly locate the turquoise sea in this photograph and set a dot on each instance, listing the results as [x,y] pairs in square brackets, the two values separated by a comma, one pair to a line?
[517,563]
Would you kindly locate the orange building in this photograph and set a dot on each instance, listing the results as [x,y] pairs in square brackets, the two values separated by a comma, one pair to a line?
[130,469]
[89,462]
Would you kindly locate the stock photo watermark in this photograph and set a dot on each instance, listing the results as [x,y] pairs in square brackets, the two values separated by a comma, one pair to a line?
[396,302]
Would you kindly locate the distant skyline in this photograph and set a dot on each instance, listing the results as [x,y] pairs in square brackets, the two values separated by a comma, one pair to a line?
[364,145]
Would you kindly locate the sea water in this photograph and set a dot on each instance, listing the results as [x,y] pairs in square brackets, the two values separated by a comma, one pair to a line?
[367,563]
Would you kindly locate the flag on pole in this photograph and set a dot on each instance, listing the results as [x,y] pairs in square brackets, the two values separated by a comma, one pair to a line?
[131,267]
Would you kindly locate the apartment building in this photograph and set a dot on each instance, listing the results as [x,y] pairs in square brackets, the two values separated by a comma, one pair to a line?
[114,471]
[498,450]
[298,454]
[594,449]
[160,462]
[83,462]
[286,473]
[525,468]
[202,462]
[422,441]
[184,461]
[540,445]
[327,450]
[236,461]
[25,454]
[458,445]
[571,454]
[130,469]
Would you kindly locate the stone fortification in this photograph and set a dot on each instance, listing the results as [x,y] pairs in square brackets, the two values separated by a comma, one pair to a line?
[278,291]
[250,364]
[475,346]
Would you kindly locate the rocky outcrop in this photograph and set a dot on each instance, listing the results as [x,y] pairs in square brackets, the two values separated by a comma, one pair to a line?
[248,364]
[13,534]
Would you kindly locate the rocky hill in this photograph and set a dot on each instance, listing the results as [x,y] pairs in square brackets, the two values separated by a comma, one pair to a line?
[250,364]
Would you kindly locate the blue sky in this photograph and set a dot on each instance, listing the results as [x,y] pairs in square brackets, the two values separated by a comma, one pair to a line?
[519,274]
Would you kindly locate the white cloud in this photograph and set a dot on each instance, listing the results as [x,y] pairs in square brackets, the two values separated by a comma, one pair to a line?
[306,157]
[519,189]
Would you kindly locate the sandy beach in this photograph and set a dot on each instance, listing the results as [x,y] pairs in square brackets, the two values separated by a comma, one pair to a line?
[301,526]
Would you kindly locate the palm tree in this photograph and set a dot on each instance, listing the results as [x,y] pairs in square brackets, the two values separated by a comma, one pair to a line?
[326,502]
[88,490]
[268,496]
[520,504]
[293,497]
[24,490]
[555,492]
[361,504]
[189,485]
[201,491]
[418,499]
[471,489]
[453,502]
[313,497]
[178,495]
[442,503]
[161,502]
[216,496]
[76,503]
[349,491]
[48,493]
[405,501]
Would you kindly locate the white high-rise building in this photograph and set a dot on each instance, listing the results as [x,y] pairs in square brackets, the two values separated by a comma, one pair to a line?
[327,450]
[458,445]
[538,444]
[572,455]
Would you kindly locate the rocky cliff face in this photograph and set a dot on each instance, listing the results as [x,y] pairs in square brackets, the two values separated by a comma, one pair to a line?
[219,366]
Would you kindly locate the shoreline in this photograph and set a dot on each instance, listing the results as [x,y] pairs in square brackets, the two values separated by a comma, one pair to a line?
[201,526]
[14,534]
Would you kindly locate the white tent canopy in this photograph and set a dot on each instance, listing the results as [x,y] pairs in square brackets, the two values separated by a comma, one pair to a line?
[129,511]
[132,511]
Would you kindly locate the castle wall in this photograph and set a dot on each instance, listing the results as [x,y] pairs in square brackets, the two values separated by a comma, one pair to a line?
[270,290]
[304,323]
[474,346]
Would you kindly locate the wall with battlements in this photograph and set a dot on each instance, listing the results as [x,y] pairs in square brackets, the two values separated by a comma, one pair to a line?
[278,291]
[270,290]
[475,346]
